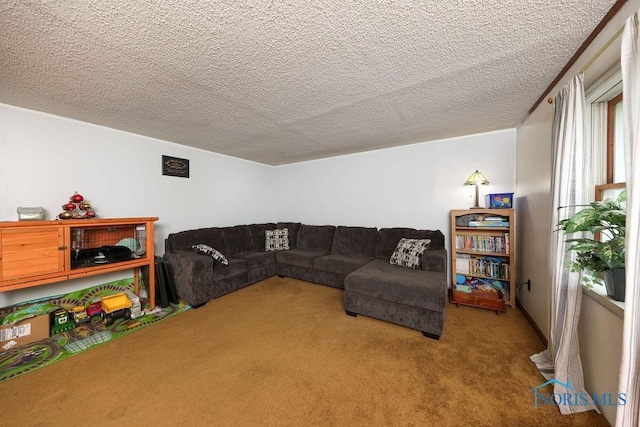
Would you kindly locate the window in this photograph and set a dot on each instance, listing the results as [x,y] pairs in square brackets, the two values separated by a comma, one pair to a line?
[615,147]
[604,114]
[604,102]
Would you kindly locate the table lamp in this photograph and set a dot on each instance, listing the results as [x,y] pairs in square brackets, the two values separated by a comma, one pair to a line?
[477,179]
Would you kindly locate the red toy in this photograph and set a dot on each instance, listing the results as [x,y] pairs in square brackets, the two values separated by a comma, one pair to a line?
[95,308]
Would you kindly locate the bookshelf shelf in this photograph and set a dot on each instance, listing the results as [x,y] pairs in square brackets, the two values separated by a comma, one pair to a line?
[484,228]
[483,259]
[472,252]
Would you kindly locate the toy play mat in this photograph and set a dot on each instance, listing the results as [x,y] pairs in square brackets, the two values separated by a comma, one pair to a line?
[18,361]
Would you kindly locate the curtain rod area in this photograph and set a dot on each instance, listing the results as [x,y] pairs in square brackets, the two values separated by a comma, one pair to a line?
[597,55]
[608,17]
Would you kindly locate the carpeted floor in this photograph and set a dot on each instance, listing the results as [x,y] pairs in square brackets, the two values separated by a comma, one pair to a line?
[283,352]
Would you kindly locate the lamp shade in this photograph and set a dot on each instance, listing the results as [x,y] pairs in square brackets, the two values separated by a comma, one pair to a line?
[476,178]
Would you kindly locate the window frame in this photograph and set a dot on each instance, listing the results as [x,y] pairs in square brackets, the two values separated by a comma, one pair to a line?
[606,89]
[611,135]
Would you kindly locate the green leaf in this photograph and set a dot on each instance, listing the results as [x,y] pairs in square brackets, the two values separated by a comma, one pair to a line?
[609,220]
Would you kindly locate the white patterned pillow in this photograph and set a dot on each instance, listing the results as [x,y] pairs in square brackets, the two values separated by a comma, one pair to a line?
[208,250]
[276,240]
[409,252]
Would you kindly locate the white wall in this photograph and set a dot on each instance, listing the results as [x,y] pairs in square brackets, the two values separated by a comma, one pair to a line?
[600,335]
[409,186]
[600,345]
[533,210]
[45,158]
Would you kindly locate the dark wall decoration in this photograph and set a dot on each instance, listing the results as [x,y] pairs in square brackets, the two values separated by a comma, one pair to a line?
[174,166]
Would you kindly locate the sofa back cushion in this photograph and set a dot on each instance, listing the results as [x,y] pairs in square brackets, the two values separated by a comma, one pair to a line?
[238,240]
[436,237]
[293,228]
[355,241]
[184,240]
[317,238]
[257,235]
[388,239]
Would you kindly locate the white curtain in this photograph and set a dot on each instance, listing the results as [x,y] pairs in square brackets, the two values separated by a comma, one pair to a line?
[571,178]
[629,381]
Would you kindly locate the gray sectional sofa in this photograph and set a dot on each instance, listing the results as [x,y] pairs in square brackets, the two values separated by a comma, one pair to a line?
[355,259]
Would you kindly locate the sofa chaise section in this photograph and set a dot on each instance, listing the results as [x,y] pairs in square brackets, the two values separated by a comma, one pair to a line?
[404,296]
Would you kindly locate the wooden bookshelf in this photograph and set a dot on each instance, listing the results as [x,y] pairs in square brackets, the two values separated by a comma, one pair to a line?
[483,258]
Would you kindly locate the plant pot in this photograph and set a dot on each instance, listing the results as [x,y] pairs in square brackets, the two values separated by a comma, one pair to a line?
[614,282]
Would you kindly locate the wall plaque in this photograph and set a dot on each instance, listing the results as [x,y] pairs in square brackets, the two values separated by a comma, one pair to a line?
[174,166]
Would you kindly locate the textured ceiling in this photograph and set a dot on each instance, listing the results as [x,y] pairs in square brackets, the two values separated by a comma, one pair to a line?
[284,81]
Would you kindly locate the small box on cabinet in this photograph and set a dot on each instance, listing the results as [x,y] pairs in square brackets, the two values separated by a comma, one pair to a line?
[30,213]
[499,201]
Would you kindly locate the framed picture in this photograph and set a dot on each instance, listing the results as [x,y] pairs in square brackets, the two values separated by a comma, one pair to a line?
[175,166]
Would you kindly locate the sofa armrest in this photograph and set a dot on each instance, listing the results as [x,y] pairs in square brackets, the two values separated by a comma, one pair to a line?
[190,272]
[192,265]
[435,260]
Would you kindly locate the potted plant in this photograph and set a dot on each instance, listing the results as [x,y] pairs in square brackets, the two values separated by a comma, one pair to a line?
[601,253]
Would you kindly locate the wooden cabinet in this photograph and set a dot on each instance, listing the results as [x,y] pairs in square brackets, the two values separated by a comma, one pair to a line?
[34,253]
[483,258]
[31,252]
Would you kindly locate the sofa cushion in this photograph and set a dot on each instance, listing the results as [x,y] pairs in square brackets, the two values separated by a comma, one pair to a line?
[340,264]
[184,240]
[317,238]
[213,253]
[409,252]
[355,241]
[238,239]
[257,234]
[299,257]
[390,237]
[380,280]
[436,237]
[235,267]
[259,259]
[293,228]
[276,240]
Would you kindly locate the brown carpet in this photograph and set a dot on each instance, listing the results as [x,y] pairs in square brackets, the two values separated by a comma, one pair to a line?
[283,352]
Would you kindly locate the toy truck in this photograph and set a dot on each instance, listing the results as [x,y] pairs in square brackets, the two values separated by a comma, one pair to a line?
[95,308]
[79,314]
[114,307]
[136,308]
[61,321]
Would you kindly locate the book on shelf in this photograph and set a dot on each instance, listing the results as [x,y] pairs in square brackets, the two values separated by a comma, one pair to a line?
[487,267]
[486,223]
[495,244]
[495,218]
[462,263]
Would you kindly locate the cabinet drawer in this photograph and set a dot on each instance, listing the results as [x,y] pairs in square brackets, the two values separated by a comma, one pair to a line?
[490,300]
[29,252]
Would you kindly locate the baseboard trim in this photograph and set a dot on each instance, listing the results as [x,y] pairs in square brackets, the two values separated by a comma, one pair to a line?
[533,324]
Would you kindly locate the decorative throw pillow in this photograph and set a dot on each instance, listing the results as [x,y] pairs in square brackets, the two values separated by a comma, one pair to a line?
[276,240]
[208,250]
[409,252]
